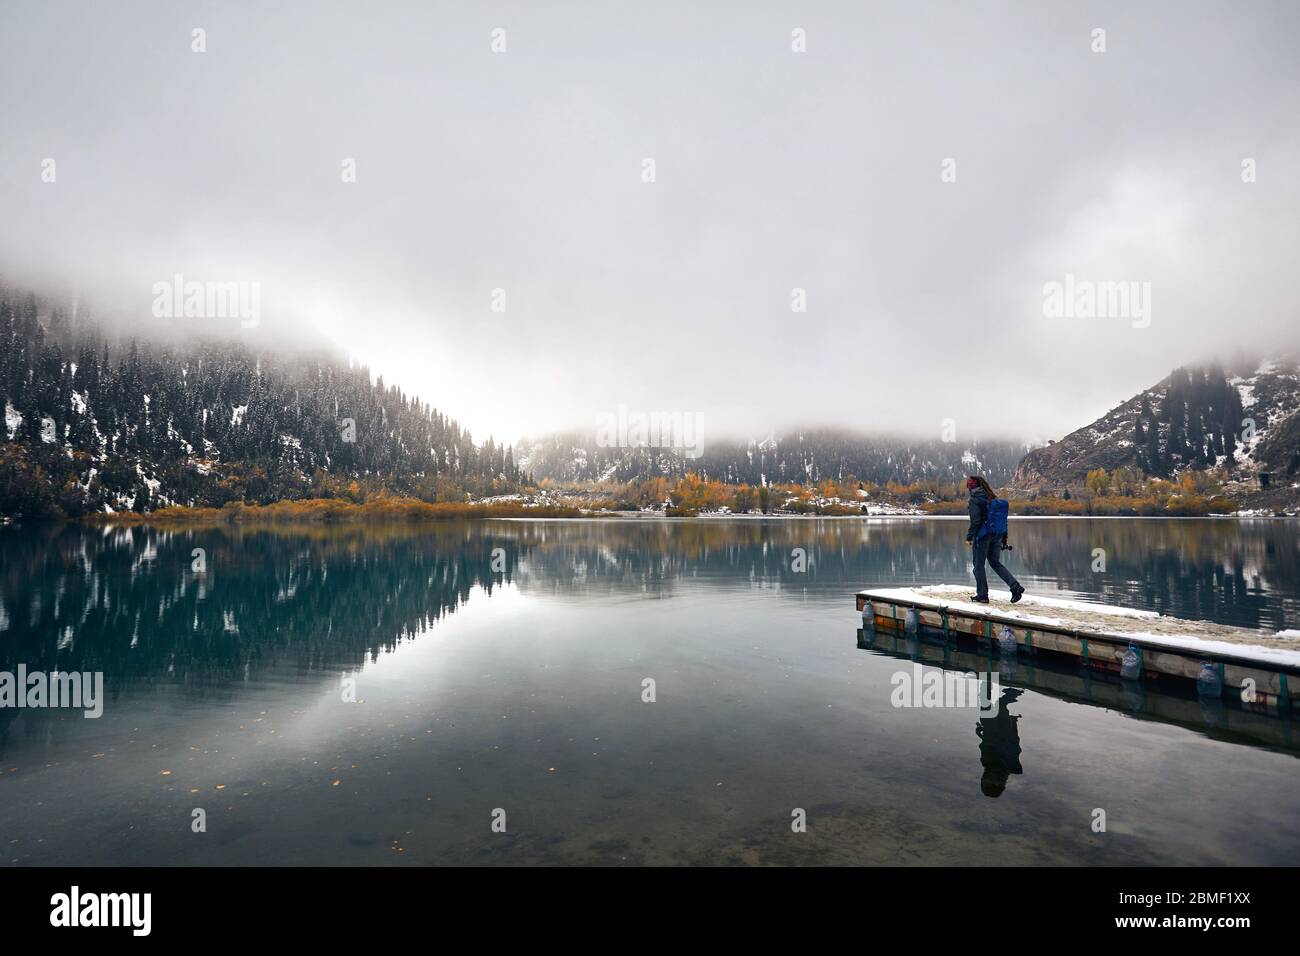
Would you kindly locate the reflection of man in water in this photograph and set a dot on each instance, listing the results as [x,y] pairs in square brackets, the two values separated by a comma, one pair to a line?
[999,745]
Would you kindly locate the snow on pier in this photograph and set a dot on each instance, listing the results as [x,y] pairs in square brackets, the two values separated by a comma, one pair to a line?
[1147,628]
[1260,666]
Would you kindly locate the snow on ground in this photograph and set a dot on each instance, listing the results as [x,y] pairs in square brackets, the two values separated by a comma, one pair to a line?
[1245,387]
[876,510]
[175,436]
[153,483]
[1146,627]
[12,420]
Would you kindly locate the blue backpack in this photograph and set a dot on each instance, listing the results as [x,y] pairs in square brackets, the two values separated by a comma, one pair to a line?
[995,519]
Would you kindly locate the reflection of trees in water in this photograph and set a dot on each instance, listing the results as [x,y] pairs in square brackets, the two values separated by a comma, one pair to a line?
[1244,573]
[125,602]
[654,556]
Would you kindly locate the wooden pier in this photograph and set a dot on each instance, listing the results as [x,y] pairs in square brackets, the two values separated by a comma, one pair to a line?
[1258,670]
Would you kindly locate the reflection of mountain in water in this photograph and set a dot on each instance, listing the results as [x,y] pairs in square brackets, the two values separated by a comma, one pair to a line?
[654,557]
[319,600]
[128,603]
[1241,573]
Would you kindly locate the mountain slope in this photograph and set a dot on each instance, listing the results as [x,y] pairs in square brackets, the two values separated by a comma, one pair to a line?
[1245,421]
[803,457]
[94,424]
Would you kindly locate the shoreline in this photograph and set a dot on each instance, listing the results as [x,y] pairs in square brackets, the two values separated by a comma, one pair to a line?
[333,512]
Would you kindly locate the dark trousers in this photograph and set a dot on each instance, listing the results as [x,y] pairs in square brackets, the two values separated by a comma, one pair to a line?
[989,548]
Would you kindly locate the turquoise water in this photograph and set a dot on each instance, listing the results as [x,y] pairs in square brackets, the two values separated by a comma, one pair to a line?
[501,666]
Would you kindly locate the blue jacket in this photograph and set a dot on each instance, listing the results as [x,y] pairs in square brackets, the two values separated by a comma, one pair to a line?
[978,506]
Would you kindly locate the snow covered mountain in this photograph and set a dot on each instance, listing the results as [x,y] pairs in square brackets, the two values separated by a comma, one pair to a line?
[806,456]
[94,423]
[1246,420]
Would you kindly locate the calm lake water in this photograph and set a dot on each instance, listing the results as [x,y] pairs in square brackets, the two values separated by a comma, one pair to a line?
[500,666]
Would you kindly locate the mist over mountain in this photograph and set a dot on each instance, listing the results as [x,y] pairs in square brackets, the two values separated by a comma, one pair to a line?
[804,456]
[129,414]
[96,423]
[1244,419]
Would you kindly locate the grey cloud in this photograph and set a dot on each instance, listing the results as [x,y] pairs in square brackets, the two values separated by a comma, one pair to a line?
[775,170]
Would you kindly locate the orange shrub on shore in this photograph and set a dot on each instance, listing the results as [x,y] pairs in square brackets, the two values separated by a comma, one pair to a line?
[330,510]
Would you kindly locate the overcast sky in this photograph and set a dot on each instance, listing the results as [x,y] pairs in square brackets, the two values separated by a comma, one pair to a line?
[774,170]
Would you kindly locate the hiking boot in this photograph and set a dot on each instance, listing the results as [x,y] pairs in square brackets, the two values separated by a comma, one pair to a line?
[1017,593]
[979,600]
